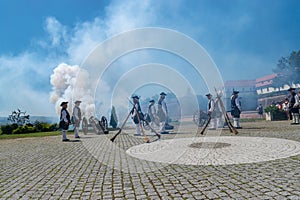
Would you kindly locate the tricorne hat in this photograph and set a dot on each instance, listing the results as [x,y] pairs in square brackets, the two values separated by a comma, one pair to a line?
[63,103]
[135,97]
[78,101]
[291,89]
[235,92]
[162,93]
[151,101]
[209,94]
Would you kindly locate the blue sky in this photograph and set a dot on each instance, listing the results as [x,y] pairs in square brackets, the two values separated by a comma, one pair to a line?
[244,38]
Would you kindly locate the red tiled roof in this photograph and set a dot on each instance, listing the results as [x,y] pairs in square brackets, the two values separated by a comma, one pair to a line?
[266,78]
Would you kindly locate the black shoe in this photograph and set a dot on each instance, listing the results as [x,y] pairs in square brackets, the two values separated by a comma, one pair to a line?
[238,127]
[294,123]
[164,132]
[77,137]
[158,136]
[66,140]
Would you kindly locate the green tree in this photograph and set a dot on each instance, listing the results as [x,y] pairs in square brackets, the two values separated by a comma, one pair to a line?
[288,70]
[19,117]
[113,118]
[8,128]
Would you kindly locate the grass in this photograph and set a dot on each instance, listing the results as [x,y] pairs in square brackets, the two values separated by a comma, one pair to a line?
[55,133]
[39,134]
[29,135]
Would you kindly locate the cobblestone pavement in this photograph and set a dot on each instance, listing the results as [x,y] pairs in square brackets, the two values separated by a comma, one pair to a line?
[95,168]
[222,150]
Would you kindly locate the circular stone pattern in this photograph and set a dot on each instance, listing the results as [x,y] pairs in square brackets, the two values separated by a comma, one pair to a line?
[208,145]
[216,150]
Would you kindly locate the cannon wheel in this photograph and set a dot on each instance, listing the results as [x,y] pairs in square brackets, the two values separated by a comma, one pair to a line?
[94,122]
[200,118]
[104,124]
[85,126]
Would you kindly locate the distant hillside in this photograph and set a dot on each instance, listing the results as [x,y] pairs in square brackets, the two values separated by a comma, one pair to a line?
[50,120]
[3,120]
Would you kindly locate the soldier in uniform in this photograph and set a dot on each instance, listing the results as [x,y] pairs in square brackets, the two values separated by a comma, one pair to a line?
[152,113]
[236,109]
[285,107]
[76,117]
[299,100]
[294,106]
[64,121]
[211,111]
[137,118]
[260,111]
[162,113]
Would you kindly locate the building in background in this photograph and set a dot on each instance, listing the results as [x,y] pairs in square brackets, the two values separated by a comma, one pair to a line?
[255,92]
[248,94]
[268,94]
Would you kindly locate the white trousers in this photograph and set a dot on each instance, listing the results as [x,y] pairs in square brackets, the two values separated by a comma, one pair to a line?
[295,118]
[64,134]
[213,123]
[220,122]
[138,129]
[76,131]
[162,126]
[236,122]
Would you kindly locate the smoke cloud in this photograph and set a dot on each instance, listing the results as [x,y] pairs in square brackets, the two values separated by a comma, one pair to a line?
[25,75]
[70,83]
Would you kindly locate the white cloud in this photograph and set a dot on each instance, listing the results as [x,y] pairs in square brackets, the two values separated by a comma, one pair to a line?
[28,74]
[22,83]
[127,15]
[57,32]
[85,37]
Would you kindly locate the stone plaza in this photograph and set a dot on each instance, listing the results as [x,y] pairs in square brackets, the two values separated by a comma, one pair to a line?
[261,162]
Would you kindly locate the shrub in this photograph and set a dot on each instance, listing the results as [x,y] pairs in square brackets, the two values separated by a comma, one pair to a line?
[276,112]
[28,128]
[44,127]
[272,109]
[53,127]
[8,129]
[24,129]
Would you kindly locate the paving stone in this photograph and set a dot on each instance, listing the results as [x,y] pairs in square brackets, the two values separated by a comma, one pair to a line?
[96,168]
[293,197]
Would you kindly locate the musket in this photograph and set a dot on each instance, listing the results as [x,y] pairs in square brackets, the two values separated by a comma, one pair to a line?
[227,120]
[120,130]
[139,120]
[207,122]
[209,119]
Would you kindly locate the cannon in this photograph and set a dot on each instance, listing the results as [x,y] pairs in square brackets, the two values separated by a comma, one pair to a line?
[98,126]
[200,118]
